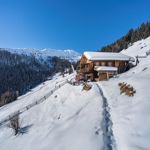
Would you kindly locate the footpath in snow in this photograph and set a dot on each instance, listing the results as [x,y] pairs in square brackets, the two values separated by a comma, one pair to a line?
[100,119]
[107,124]
[131,115]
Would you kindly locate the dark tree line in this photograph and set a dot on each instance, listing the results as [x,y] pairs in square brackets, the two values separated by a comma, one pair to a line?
[132,36]
[20,73]
[59,65]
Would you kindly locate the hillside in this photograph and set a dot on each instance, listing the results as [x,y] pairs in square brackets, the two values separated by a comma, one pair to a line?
[126,41]
[20,73]
[69,119]
[65,117]
[130,115]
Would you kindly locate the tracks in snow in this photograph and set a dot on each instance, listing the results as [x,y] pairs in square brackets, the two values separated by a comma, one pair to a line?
[108,136]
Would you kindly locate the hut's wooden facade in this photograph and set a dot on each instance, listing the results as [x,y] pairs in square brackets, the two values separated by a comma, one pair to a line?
[102,65]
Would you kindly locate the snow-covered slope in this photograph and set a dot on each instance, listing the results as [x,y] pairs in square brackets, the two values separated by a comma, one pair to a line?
[70,119]
[44,53]
[73,119]
[130,115]
[139,48]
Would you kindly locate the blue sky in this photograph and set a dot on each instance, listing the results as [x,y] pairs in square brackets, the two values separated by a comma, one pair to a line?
[68,24]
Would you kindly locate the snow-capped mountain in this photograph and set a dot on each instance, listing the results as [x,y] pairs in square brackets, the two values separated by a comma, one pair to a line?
[68,54]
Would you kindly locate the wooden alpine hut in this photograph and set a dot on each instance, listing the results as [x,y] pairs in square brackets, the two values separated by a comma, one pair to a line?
[103,65]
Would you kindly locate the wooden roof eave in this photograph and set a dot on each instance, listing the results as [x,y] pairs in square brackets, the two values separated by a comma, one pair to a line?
[108,60]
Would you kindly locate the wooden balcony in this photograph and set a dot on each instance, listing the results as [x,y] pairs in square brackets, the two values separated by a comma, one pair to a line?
[86,70]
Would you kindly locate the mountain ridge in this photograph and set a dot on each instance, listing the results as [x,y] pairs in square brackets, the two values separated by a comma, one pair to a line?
[44,53]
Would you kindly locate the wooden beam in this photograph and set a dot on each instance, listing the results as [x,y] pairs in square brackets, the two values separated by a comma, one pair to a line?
[107,75]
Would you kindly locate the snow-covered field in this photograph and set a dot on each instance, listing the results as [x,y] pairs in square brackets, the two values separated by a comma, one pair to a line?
[131,115]
[72,119]
[32,96]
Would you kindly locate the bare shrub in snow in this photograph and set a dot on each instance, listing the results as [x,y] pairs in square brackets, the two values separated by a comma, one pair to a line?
[86,87]
[15,124]
[8,97]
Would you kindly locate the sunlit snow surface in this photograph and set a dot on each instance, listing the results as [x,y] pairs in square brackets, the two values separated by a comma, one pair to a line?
[131,115]
[72,119]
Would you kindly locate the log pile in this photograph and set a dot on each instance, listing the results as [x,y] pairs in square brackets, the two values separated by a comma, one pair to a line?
[127,89]
[86,87]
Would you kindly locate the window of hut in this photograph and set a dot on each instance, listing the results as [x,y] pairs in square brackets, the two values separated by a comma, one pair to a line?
[97,63]
[109,63]
[103,63]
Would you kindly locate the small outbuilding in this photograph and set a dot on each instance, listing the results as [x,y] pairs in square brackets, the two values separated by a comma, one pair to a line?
[103,65]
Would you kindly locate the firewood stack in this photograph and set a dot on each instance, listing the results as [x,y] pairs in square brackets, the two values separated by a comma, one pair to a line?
[127,89]
[86,86]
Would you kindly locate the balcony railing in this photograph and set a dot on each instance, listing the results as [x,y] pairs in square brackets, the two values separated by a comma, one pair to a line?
[86,70]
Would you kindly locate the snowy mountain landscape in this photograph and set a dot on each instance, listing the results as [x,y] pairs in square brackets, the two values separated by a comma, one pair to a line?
[74,75]
[59,116]
[44,53]
[20,73]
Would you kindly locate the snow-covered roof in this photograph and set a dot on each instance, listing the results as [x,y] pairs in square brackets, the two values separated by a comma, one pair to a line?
[105,68]
[94,56]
